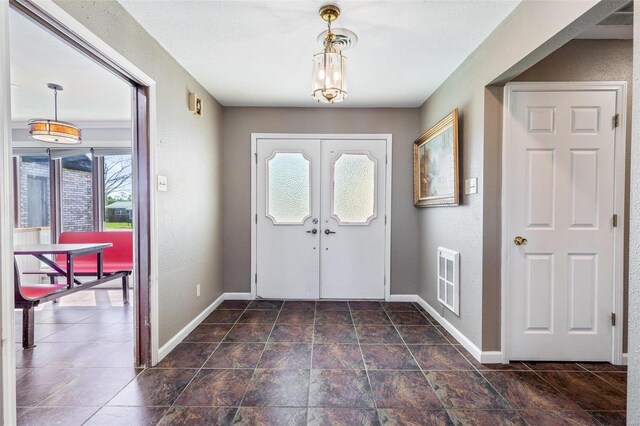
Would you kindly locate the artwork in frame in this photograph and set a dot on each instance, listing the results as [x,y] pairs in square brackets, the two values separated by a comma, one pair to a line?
[435,165]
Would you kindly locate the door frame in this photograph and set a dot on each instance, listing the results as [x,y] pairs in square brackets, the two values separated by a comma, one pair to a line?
[144,170]
[620,88]
[351,136]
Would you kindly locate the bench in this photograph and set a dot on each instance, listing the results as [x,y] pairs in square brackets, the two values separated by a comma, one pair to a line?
[117,262]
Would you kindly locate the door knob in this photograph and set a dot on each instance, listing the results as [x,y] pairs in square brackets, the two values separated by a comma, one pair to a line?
[328,231]
[314,231]
[519,241]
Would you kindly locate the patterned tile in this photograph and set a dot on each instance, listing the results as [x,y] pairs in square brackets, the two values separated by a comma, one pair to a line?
[486,417]
[286,355]
[512,366]
[208,333]
[335,334]
[465,389]
[618,379]
[526,390]
[263,316]
[68,416]
[292,333]
[333,317]
[223,316]
[378,334]
[403,389]
[277,388]
[370,317]
[342,416]
[611,418]
[554,366]
[340,388]
[446,334]
[275,416]
[299,305]
[188,355]
[233,304]
[198,416]
[125,416]
[154,387]
[602,366]
[408,318]
[328,305]
[560,418]
[579,387]
[439,357]
[265,304]
[249,333]
[337,356]
[216,388]
[235,355]
[399,307]
[413,417]
[422,334]
[365,305]
[296,317]
[388,357]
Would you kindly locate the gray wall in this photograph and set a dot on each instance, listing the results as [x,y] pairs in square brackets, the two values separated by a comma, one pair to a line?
[239,123]
[633,396]
[189,153]
[527,35]
[595,60]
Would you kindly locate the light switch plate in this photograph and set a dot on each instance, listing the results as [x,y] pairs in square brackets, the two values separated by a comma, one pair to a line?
[162,183]
[471,186]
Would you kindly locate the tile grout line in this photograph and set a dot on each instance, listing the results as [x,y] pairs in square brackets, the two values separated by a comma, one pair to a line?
[364,363]
[418,364]
[259,359]
[313,341]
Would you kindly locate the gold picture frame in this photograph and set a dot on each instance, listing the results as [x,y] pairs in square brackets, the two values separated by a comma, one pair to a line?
[435,165]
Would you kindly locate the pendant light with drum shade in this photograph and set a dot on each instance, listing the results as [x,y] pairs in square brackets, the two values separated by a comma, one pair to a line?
[329,83]
[55,131]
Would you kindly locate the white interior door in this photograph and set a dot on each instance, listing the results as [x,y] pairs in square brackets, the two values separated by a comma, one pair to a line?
[353,219]
[288,204]
[320,222]
[560,200]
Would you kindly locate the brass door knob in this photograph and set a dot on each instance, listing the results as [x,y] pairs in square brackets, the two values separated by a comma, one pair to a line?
[519,241]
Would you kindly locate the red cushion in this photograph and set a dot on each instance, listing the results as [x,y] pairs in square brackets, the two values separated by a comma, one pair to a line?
[36,291]
[116,258]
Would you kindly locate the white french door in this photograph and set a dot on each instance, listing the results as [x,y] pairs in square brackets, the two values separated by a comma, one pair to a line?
[320,218]
[560,201]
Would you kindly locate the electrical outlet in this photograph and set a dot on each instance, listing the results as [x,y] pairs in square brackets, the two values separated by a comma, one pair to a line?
[197,290]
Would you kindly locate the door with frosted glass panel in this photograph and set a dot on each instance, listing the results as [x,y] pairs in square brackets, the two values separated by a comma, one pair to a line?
[288,204]
[353,219]
[320,218]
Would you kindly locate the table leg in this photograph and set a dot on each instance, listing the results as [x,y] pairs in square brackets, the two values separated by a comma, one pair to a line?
[99,266]
[70,283]
[125,289]
[28,327]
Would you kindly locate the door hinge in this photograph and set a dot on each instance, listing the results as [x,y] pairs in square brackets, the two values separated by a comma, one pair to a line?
[256,157]
[255,278]
[385,219]
[615,221]
[256,217]
[613,319]
[616,120]
[386,159]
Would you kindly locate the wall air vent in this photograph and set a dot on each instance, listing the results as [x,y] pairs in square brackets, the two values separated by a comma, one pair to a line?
[448,279]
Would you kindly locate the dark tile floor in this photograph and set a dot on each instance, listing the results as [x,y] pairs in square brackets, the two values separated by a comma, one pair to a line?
[290,363]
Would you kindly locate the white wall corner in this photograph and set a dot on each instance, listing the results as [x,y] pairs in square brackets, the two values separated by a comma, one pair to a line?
[182,334]
[487,357]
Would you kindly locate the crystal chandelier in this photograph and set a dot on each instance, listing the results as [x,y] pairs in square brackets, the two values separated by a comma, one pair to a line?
[329,66]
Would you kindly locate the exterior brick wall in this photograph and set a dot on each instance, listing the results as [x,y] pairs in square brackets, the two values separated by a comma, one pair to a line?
[33,170]
[77,201]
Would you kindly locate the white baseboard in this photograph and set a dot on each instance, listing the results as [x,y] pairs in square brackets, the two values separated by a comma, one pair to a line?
[237,296]
[486,357]
[180,336]
[403,298]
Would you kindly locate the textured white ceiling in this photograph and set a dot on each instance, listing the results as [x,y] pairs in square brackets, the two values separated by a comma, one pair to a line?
[91,93]
[258,53]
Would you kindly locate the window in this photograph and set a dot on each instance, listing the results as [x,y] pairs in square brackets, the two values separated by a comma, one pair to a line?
[77,193]
[33,186]
[288,188]
[353,201]
[118,205]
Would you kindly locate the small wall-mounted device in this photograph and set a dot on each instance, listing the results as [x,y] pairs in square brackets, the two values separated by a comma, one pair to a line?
[195,104]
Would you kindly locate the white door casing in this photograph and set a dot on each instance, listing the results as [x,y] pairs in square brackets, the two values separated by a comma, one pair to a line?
[561,188]
[355,261]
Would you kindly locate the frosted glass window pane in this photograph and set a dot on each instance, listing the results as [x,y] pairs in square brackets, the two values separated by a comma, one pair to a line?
[288,188]
[354,179]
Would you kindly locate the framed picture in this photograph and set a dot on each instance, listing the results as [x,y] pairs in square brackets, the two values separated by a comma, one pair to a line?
[435,165]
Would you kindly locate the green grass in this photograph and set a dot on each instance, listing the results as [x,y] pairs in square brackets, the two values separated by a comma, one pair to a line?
[117,225]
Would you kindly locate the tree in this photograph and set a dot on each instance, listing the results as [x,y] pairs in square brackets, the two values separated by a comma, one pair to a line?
[117,177]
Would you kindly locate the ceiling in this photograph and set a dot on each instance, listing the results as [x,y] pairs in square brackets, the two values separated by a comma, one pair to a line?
[258,53]
[91,93]
[618,25]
